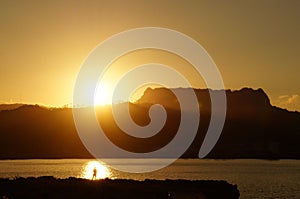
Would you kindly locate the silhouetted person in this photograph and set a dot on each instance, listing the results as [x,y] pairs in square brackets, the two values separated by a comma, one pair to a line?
[94,173]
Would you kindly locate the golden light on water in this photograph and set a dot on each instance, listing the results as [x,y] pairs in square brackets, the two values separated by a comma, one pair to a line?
[95,170]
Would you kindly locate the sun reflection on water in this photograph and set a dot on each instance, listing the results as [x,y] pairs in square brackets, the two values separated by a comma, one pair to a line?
[95,168]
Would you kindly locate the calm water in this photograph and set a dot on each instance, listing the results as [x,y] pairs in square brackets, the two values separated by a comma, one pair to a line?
[255,178]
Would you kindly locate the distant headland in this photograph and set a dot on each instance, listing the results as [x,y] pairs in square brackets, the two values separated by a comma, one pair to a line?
[253,128]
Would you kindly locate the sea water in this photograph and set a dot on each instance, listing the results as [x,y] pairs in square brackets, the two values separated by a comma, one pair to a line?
[254,178]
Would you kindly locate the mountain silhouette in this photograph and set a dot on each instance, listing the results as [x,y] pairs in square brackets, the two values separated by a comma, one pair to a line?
[253,128]
[9,106]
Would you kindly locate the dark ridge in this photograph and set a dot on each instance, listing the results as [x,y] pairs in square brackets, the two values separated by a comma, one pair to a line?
[253,128]
[49,187]
[4,107]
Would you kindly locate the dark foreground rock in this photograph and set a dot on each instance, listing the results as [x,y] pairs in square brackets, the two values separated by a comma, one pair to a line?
[49,187]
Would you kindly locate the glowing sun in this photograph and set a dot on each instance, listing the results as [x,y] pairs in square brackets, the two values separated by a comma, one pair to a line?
[103,95]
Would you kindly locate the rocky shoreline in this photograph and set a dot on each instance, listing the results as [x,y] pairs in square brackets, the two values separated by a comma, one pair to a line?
[50,187]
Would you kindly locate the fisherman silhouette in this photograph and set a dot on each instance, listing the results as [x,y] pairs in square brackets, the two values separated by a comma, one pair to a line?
[94,173]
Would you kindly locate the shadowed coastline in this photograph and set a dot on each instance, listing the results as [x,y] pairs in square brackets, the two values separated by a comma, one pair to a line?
[253,128]
[50,187]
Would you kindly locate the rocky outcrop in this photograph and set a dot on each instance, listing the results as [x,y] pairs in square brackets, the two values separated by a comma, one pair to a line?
[49,187]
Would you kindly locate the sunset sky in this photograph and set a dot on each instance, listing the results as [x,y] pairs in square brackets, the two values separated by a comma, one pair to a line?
[43,43]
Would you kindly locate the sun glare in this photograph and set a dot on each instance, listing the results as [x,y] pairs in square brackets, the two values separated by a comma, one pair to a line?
[94,170]
[105,90]
[103,95]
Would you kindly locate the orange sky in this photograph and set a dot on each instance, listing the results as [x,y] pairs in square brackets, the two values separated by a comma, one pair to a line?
[43,43]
